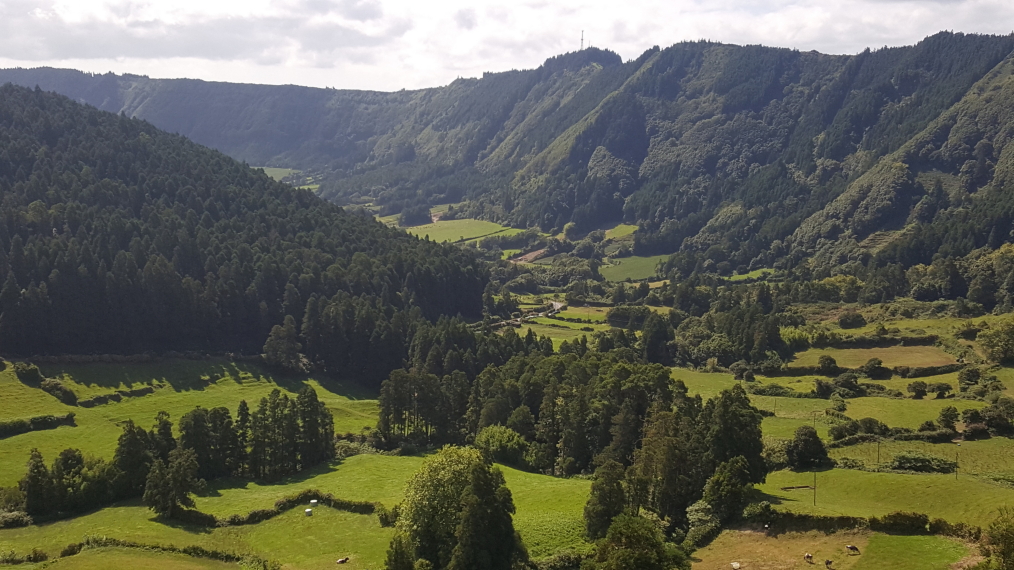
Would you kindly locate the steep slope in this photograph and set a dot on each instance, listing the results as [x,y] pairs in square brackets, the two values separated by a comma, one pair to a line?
[117,237]
[716,150]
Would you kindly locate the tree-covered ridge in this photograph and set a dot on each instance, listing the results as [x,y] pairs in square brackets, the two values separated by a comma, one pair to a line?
[720,151]
[117,237]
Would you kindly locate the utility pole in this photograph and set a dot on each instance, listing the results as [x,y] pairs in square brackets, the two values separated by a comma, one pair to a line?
[878,454]
[956,463]
[815,487]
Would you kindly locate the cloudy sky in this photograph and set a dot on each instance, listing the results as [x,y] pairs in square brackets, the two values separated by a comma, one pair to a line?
[394,44]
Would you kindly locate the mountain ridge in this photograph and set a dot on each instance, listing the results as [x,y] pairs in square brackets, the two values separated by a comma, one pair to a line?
[672,141]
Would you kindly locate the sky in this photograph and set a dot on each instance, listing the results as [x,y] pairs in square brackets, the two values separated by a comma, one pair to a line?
[406,44]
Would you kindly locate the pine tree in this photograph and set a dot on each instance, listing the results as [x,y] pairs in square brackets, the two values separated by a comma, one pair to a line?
[133,459]
[161,437]
[607,499]
[486,539]
[37,486]
[282,347]
[158,491]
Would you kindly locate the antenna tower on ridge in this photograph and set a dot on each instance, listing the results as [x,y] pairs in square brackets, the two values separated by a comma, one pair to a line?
[582,39]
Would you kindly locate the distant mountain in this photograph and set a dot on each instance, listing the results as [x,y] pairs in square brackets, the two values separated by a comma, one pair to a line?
[744,156]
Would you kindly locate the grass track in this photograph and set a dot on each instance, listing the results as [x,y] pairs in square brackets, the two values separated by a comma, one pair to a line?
[277,173]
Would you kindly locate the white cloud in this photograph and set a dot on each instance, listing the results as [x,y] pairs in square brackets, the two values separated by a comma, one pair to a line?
[391,44]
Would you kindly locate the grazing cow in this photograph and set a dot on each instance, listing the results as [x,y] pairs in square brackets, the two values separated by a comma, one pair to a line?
[808,558]
[828,563]
[342,560]
[851,549]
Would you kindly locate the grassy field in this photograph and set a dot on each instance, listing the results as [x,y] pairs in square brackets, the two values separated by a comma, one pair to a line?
[558,334]
[635,268]
[892,356]
[278,173]
[460,230]
[620,230]
[755,274]
[860,493]
[104,558]
[181,386]
[549,517]
[597,314]
[987,458]
[758,551]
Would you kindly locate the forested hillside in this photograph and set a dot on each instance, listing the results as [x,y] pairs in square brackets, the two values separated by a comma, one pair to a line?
[740,156]
[116,237]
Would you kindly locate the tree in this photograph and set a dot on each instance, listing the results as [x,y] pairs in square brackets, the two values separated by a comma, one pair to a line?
[941,389]
[726,490]
[948,418]
[635,543]
[486,539]
[655,337]
[606,501]
[917,389]
[169,488]
[132,458]
[282,347]
[430,512]
[998,340]
[827,365]
[806,450]
[522,421]
[161,437]
[37,486]
[1000,540]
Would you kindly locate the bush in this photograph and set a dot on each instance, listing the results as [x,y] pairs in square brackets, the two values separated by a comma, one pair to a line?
[56,388]
[36,555]
[567,560]
[502,445]
[850,463]
[28,373]
[15,519]
[827,365]
[388,517]
[901,523]
[851,320]
[70,550]
[975,431]
[922,463]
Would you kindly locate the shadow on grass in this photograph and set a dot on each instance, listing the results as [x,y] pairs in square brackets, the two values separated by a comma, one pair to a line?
[215,488]
[194,375]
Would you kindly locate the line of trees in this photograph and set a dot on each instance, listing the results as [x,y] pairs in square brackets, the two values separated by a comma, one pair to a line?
[280,437]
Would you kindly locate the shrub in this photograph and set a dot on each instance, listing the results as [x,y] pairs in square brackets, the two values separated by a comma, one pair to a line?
[388,517]
[502,445]
[975,431]
[922,463]
[56,388]
[70,550]
[827,365]
[851,320]
[28,373]
[850,463]
[901,523]
[14,519]
[567,560]
[36,555]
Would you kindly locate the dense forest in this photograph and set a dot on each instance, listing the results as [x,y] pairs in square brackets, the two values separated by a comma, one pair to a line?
[745,156]
[116,237]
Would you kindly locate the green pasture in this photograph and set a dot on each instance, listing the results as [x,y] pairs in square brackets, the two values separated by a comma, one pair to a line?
[635,268]
[277,173]
[782,551]
[549,516]
[460,230]
[181,386]
[891,356]
[509,253]
[755,274]
[899,552]
[864,494]
[597,314]
[986,458]
[557,334]
[105,558]
[620,230]
[555,323]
